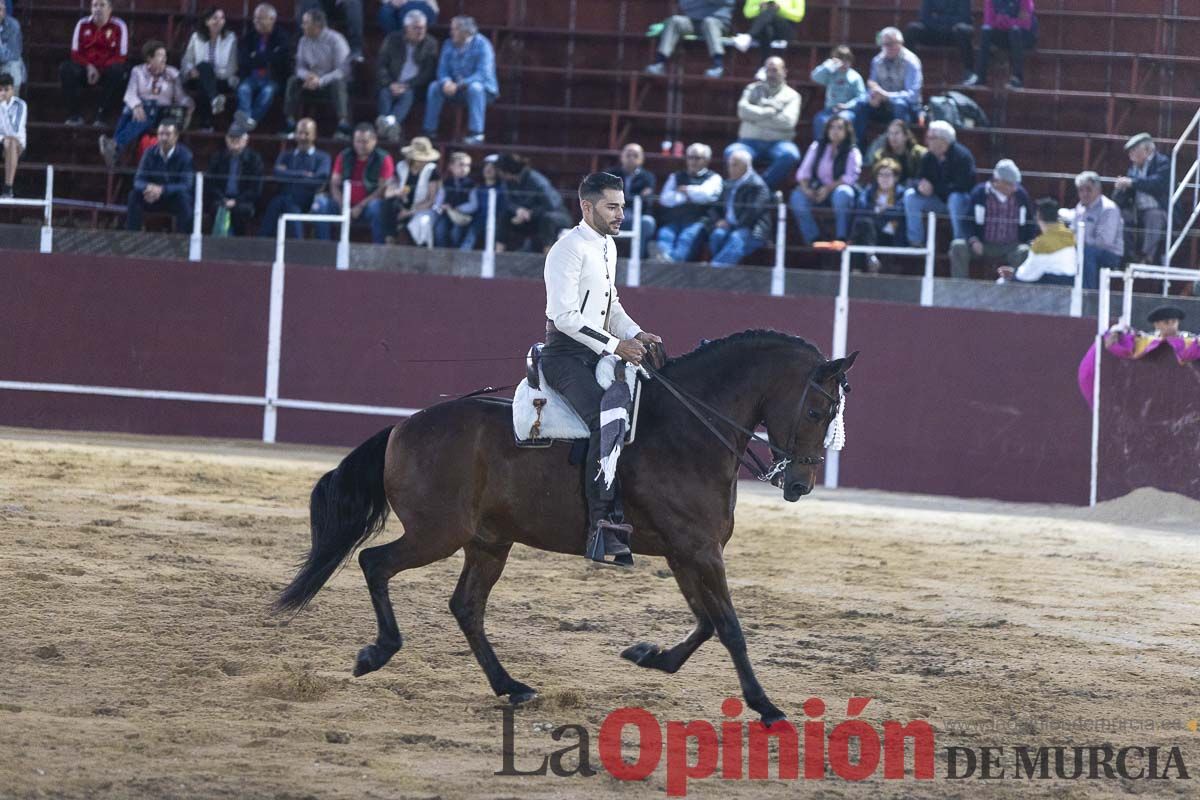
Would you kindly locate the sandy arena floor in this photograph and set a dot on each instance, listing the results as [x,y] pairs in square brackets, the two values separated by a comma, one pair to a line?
[137,657]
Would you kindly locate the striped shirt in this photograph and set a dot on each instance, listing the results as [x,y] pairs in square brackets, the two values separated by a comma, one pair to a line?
[13,115]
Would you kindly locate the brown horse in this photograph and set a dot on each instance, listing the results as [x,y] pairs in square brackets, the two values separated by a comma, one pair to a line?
[456,481]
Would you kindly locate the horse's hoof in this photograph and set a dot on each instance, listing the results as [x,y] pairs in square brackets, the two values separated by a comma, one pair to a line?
[371,658]
[641,653]
[520,694]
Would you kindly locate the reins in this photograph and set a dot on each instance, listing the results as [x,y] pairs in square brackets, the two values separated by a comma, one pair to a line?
[760,470]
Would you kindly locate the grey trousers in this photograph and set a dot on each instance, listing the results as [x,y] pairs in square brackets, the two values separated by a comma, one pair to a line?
[960,255]
[678,26]
[1144,232]
[333,92]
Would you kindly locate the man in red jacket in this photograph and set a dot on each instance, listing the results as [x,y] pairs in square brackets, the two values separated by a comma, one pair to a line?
[99,47]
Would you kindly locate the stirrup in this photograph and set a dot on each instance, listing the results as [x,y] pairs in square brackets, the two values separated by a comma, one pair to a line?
[610,538]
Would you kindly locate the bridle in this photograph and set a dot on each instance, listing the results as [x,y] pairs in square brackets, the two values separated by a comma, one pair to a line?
[781,458]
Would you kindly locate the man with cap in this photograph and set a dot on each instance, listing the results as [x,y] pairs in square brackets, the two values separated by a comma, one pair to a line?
[1000,223]
[1142,193]
[584,321]
[233,180]
[1125,343]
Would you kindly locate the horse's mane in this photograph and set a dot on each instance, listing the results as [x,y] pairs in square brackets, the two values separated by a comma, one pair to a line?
[714,347]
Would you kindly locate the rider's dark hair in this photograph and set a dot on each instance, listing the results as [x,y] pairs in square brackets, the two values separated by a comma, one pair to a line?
[593,185]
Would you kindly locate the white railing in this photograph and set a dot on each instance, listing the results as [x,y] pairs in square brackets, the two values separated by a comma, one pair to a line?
[777,271]
[1190,178]
[487,266]
[633,268]
[196,242]
[841,310]
[47,206]
[1103,314]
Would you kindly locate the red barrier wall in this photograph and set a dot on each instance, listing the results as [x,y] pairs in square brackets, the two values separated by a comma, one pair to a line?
[943,401]
[1150,425]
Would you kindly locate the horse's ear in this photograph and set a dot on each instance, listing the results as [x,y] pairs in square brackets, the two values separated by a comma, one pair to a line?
[837,366]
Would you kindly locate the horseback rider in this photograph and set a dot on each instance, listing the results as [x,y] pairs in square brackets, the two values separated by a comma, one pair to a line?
[584,321]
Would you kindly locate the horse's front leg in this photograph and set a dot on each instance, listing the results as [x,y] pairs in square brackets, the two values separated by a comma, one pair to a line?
[709,568]
[651,656]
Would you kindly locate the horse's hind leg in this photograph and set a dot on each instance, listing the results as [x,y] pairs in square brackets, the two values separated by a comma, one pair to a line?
[415,548]
[670,660]
[481,570]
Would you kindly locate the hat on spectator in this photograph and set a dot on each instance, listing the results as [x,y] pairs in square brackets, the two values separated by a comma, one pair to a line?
[1006,170]
[420,149]
[237,130]
[1138,138]
[1165,312]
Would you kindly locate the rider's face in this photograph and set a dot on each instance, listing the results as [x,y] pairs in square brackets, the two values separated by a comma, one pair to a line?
[608,212]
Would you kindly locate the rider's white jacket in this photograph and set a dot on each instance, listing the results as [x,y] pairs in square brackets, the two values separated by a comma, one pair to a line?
[581,290]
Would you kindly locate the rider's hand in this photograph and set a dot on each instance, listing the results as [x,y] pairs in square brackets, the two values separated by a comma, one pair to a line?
[645,337]
[631,351]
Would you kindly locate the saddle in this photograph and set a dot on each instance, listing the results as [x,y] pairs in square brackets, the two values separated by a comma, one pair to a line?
[541,416]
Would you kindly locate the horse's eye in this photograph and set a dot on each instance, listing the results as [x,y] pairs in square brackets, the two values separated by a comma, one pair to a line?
[814,414]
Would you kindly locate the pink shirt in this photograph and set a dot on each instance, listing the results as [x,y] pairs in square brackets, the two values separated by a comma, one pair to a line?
[1000,22]
[825,168]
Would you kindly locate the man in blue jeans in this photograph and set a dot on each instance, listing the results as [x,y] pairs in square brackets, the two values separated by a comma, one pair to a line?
[945,182]
[1103,229]
[769,111]
[369,169]
[894,85]
[741,219]
[684,203]
[466,74]
[263,60]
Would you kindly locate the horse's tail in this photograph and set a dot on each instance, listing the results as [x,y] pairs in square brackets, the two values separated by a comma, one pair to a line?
[347,507]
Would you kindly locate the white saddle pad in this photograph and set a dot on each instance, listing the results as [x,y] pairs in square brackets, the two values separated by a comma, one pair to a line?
[559,420]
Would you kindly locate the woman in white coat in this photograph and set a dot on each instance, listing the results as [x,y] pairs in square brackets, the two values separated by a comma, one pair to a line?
[209,66]
[415,188]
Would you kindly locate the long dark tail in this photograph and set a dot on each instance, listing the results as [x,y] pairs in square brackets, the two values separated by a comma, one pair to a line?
[348,506]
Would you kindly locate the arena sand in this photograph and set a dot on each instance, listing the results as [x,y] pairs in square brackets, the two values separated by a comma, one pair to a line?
[137,657]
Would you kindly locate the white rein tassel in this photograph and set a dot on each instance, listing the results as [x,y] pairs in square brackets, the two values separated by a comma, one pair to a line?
[835,435]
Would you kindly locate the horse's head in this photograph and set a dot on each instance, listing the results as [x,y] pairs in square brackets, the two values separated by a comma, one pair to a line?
[798,420]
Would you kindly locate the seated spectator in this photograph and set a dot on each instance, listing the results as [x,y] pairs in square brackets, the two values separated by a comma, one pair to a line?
[879,216]
[1051,257]
[14,114]
[740,222]
[153,89]
[944,183]
[351,14]
[413,191]
[299,173]
[708,18]
[322,72]
[369,169]
[11,49]
[844,87]
[408,63]
[1000,223]
[99,48]
[683,206]
[233,180]
[1142,194]
[894,88]
[164,181]
[772,26]
[828,176]
[769,111]
[453,223]
[898,144]
[946,23]
[1008,24]
[537,210]
[210,66]
[264,57]
[392,13]
[639,182]
[477,206]
[1103,229]
[466,73]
